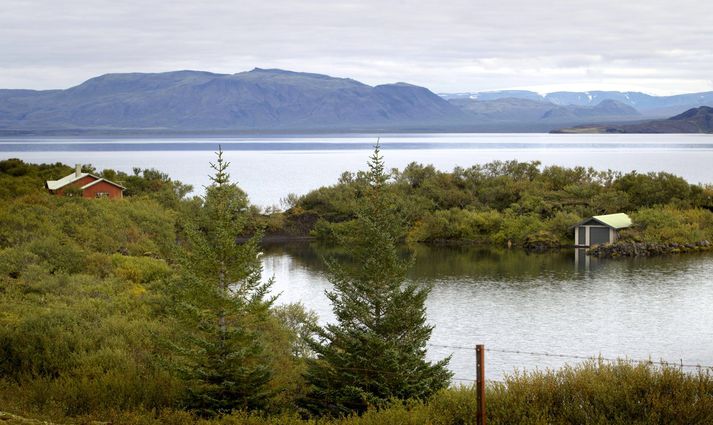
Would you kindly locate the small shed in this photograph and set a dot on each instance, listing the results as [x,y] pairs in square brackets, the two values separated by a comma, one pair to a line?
[89,185]
[600,229]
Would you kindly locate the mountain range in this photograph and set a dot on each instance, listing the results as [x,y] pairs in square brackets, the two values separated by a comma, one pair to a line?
[279,100]
[190,100]
[648,105]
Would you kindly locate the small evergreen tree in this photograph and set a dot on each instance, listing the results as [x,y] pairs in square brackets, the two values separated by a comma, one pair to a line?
[376,349]
[221,303]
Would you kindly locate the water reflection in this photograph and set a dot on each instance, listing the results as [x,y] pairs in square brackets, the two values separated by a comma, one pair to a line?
[452,262]
[584,263]
[442,262]
[559,302]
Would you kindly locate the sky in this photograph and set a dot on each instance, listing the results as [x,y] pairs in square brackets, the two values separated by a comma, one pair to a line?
[655,46]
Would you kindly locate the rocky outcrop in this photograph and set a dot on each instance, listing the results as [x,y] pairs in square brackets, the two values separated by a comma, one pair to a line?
[646,249]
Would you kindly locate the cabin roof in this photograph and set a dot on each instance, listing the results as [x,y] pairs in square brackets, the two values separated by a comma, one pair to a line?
[616,221]
[102,180]
[64,181]
[71,178]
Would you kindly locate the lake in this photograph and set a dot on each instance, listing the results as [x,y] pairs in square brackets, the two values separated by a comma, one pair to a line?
[555,303]
[269,168]
[654,308]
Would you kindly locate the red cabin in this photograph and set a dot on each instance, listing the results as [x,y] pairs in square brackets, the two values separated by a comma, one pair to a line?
[89,185]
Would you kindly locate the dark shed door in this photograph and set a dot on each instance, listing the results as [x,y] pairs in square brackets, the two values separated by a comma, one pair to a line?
[598,235]
[581,235]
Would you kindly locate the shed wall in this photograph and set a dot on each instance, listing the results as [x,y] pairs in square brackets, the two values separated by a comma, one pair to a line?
[588,235]
[581,235]
[599,235]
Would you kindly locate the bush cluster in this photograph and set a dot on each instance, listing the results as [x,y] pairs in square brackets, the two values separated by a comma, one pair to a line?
[511,201]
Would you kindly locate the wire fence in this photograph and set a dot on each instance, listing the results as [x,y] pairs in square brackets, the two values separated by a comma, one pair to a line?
[679,363]
[538,354]
[391,372]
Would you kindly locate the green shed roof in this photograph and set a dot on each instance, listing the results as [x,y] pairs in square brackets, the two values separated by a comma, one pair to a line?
[617,221]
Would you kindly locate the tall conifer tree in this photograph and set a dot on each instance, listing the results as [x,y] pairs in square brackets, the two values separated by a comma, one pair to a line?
[376,349]
[221,303]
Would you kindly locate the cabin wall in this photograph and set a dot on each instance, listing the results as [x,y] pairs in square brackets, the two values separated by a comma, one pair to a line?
[77,184]
[110,190]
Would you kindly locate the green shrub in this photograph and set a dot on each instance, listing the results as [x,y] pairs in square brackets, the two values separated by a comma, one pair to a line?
[140,269]
[598,392]
[669,224]
[456,224]
[517,228]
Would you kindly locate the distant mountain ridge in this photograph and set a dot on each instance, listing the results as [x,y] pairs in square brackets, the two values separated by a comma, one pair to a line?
[527,110]
[285,101]
[603,109]
[695,120]
[644,103]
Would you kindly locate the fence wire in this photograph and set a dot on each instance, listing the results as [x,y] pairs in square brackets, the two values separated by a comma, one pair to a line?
[579,357]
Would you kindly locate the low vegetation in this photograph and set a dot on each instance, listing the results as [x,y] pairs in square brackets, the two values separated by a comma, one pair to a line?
[594,392]
[134,311]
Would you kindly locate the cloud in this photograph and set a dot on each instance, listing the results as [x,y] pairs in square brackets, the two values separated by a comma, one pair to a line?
[447,45]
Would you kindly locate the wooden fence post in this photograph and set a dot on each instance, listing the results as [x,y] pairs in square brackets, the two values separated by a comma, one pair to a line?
[480,383]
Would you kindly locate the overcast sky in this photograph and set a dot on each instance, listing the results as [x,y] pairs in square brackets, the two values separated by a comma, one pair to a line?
[655,46]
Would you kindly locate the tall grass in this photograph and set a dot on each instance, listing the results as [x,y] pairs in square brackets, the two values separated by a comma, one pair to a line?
[593,392]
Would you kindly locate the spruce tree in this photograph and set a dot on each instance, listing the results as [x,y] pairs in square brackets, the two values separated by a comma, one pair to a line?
[376,349]
[220,302]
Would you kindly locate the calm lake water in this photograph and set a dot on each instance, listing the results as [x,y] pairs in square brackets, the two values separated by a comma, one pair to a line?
[658,309]
[269,168]
[646,308]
